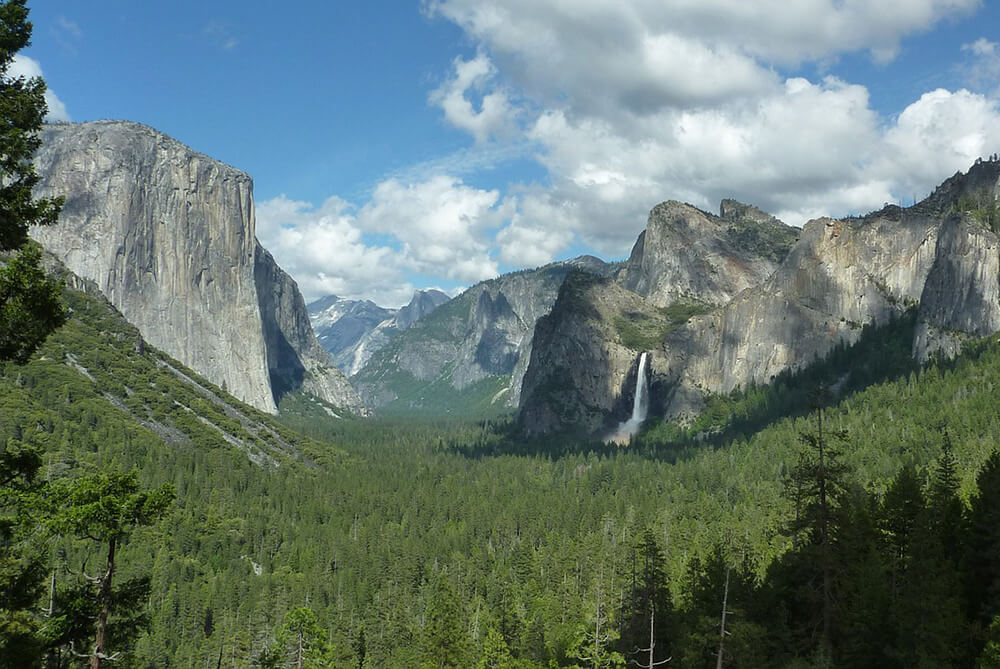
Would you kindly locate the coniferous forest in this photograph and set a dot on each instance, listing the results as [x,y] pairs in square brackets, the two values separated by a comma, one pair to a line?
[858,531]
[149,519]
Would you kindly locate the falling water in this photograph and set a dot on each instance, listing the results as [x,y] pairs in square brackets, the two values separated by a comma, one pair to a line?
[640,405]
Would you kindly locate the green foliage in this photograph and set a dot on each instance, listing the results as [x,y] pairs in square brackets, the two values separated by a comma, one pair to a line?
[361,519]
[29,305]
[106,506]
[443,643]
[982,207]
[642,332]
[300,643]
[766,239]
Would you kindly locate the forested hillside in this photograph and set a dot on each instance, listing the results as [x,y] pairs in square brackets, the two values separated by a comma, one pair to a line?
[396,542]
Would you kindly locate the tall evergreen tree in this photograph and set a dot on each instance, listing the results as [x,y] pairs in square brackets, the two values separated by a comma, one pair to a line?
[29,301]
[22,566]
[649,599]
[443,642]
[300,643]
[817,482]
[29,310]
[930,616]
[982,561]
[105,508]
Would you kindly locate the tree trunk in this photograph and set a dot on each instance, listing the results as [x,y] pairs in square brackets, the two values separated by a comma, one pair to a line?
[722,625]
[104,599]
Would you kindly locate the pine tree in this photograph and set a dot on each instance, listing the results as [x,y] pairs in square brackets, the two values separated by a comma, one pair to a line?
[817,482]
[29,301]
[983,555]
[648,600]
[443,642]
[594,645]
[495,655]
[300,643]
[105,508]
[930,616]
[29,310]
[22,567]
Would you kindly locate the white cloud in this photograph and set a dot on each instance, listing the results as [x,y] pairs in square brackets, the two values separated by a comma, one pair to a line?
[606,56]
[431,228]
[23,66]
[636,101]
[495,114]
[441,224]
[323,249]
[626,103]
[983,71]
[937,135]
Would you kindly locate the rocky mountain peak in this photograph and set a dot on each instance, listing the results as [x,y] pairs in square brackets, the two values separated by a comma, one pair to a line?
[975,187]
[168,235]
[689,254]
[422,303]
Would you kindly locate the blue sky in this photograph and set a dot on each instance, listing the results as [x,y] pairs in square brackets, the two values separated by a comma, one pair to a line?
[399,145]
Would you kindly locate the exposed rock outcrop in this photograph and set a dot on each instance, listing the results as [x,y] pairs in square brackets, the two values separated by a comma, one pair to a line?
[685,253]
[483,335]
[686,262]
[581,374]
[167,234]
[295,358]
[942,254]
[961,297]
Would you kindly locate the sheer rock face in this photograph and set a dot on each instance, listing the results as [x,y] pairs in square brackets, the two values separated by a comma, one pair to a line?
[581,372]
[295,358]
[685,253]
[962,295]
[168,236]
[485,332]
[840,275]
[581,376]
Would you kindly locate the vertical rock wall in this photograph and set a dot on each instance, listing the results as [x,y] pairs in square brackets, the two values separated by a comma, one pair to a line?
[167,234]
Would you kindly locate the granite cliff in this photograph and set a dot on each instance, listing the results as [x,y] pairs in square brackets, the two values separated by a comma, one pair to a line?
[940,257]
[582,369]
[471,353]
[168,235]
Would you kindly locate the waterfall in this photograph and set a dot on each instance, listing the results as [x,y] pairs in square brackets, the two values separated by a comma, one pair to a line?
[640,405]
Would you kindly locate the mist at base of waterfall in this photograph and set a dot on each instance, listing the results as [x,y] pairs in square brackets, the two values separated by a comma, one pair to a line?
[623,434]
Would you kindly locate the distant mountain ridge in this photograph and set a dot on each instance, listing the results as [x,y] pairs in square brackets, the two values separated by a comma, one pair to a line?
[470,354]
[352,330]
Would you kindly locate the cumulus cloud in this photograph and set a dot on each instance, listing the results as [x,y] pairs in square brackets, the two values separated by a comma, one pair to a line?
[632,102]
[324,249]
[440,224]
[553,35]
[431,228]
[23,66]
[626,103]
[495,114]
